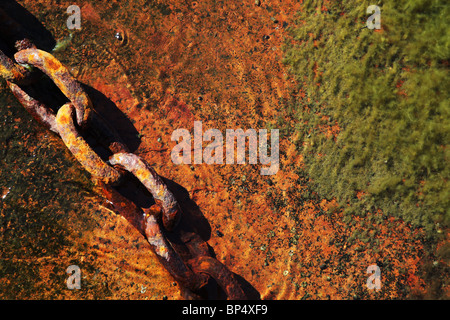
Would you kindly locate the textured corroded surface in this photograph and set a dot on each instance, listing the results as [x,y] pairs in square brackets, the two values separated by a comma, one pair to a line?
[175,62]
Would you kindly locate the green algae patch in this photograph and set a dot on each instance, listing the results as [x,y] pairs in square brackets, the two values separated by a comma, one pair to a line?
[374,109]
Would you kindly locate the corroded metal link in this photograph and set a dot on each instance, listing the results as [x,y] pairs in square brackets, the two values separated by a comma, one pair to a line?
[47,118]
[146,221]
[38,110]
[221,274]
[202,262]
[169,258]
[153,182]
[104,132]
[165,202]
[13,72]
[81,150]
[122,206]
[61,77]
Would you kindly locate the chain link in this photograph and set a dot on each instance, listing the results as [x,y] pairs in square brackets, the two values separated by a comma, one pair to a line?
[186,256]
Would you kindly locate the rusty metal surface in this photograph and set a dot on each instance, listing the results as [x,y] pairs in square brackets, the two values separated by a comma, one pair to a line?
[149,68]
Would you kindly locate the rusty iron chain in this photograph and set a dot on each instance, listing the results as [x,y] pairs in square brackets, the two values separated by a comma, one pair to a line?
[187,258]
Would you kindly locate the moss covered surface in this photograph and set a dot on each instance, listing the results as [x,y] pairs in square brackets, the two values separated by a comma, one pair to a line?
[375,110]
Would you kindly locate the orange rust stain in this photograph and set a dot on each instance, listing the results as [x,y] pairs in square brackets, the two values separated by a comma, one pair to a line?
[53,65]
